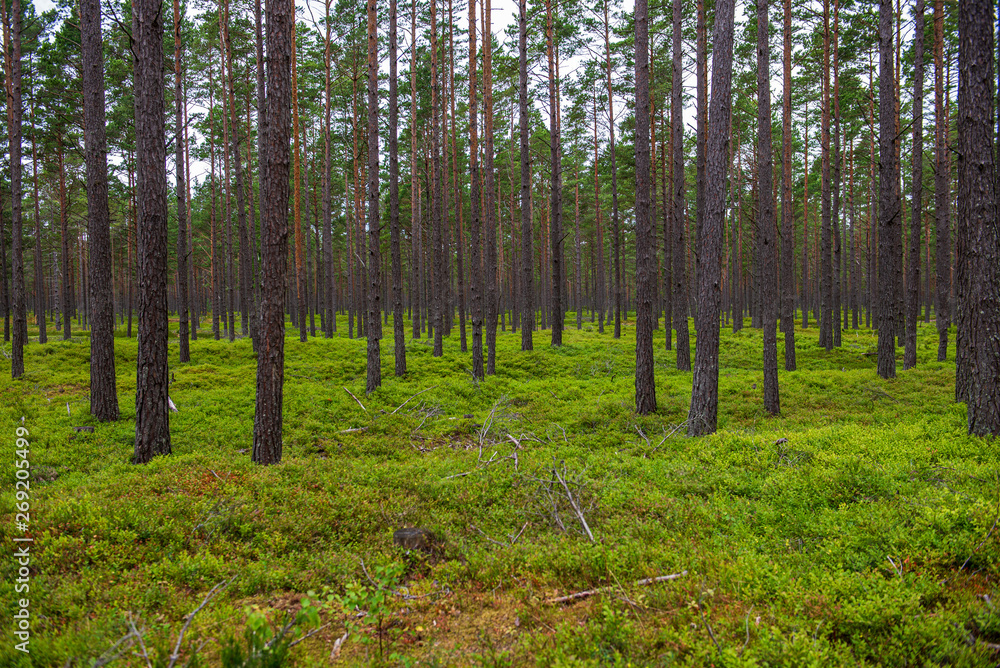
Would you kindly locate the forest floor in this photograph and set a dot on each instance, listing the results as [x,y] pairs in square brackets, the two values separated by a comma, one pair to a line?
[858,528]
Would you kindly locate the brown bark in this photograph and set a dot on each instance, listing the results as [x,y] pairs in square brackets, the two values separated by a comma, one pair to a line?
[437,214]
[152,418]
[825,260]
[527,272]
[787,231]
[645,385]
[12,57]
[766,221]
[678,225]
[979,307]
[942,224]
[399,337]
[490,218]
[555,203]
[184,352]
[475,241]
[703,413]
[374,327]
[103,390]
[615,226]
[913,263]
[889,207]
[274,235]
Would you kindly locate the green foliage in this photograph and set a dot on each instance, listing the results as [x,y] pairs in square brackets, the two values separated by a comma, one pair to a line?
[855,529]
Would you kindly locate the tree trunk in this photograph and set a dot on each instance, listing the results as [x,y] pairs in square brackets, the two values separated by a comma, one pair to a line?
[64,287]
[702,417]
[913,263]
[182,253]
[437,213]
[825,266]
[475,242]
[787,231]
[40,291]
[12,52]
[645,244]
[457,192]
[490,218]
[889,209]
[274,235]
[152,418]
[942,224]
[374,328]
[615,227]
[835,319]
[766,219]
[678,225]
[979,308]
[399,337]
[555,204]
[527,275]
[103,390]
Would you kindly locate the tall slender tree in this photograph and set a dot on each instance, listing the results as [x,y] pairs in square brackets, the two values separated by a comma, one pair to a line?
[374,326]
[180,187]
[703,413]
[916,215]
[478,369]
[678,225]
[274,235]
[491,263]
[645,244]
[787,232]
[889,209]
[766,221]
[555,203]
[977,206]
[399,336]
[152,418]
[527,282]
[12,56]
[103,390]
[942,210]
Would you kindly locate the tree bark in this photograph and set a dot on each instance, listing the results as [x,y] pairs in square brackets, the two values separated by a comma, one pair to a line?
[436,193]
[152,418]
[979,310]
[615,226]
[399,336]
[374,328]
[645,244]
[490,218]
[678,224]
[942,212]
[103,390]
[527,272]
[913,263]
[184,352]
[787,231]
[889,209]
[12,52]
[766,221]
[555,204]
[825,260]
[475,242]
[274,235]
[703,414]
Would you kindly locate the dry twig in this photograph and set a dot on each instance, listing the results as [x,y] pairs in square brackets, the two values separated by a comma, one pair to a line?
[600,590]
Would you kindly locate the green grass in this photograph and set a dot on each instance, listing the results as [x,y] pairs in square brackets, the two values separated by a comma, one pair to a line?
[786,543]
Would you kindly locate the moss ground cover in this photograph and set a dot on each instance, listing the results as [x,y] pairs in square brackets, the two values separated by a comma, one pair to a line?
[858,528]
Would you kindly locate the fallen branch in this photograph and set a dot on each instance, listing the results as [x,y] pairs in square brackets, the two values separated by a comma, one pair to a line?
[356,399]
[600,590]
[576,507]
[177,647]
[410,399]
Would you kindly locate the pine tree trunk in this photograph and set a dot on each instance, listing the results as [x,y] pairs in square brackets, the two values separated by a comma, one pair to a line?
[913,263]
[942,224]
[703,414]
[415,253]
[399,337]
[615,226]
[978,373]
[374,328]
[825,267]
[889,209]
[835,319]
[491,222]
[527,271]
[475,241]
[555,204]
[457,192]
[645,245]
[678,225]
[274,235]
[64,291]
[152,421]
[40,291]
[184,353]
[787,231]
[766,221]
[103,390]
